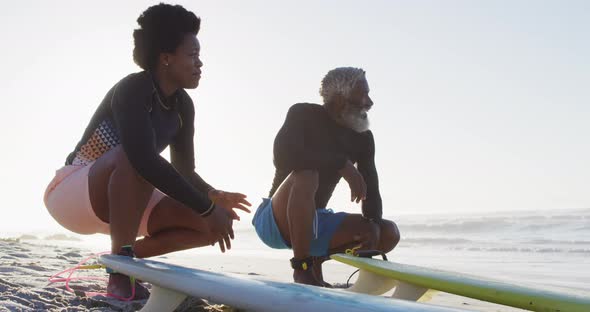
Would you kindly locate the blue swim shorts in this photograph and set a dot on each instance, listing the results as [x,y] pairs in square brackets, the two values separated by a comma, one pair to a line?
[326,222]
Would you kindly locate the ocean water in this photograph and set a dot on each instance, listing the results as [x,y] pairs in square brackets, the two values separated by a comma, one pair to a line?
[566,232]
[536,248]
[549,250]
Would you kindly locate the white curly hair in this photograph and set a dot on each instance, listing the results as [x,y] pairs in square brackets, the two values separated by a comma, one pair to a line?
[341,81]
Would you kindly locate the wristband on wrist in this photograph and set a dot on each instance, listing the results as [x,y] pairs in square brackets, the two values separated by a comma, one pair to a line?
[209,210]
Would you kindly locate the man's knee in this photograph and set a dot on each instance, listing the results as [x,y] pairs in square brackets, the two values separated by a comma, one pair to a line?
[369,234]
[390,235]
[306,180]
[374,233]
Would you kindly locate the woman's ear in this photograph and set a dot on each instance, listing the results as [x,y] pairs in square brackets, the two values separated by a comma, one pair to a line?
[164,59]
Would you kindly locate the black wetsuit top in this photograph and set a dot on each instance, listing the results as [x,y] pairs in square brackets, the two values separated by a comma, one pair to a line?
[131,114]
[311,139]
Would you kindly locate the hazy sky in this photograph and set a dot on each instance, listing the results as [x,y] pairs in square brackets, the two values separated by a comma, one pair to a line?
[479,105]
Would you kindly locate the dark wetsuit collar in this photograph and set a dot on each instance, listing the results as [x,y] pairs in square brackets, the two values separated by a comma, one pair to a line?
[169,102]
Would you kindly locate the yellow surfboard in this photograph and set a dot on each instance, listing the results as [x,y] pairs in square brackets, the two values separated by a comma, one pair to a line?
[468,286]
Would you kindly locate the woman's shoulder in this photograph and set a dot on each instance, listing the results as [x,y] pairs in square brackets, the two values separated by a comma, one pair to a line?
[135,82]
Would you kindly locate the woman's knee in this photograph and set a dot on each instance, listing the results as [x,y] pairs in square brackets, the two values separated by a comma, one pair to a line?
[121,161]
[123,166]
[113,169]
[389,235]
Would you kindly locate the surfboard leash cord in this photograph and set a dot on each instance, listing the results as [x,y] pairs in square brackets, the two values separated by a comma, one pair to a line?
[58,278]
[363,254]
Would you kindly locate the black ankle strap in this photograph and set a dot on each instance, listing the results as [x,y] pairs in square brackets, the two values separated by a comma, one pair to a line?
[302,264]
[126,251]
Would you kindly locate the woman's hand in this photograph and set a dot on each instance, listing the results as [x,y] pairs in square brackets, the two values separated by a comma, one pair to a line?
[230,201]
[220,224]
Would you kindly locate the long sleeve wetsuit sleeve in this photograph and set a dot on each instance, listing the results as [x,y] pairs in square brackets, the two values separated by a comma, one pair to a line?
[372,206]
[182,150]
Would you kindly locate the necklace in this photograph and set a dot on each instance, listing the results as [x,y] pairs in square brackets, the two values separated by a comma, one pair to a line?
[160,100]
[166,107]
[155,90]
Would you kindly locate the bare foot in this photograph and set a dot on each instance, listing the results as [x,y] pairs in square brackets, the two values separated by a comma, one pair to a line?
[305,277]
[120,286]
[317,271]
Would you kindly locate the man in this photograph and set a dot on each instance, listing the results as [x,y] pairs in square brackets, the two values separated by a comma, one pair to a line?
[316,146]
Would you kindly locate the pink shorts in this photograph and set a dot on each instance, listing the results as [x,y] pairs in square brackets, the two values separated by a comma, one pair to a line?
[68,201]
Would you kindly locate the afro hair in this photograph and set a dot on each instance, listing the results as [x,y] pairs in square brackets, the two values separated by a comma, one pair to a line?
[161,29]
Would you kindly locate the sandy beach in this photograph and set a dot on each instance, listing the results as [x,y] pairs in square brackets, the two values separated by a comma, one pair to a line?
[504,247]
[26,265]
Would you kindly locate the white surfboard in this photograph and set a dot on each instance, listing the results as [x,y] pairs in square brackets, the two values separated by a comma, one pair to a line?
[171,284]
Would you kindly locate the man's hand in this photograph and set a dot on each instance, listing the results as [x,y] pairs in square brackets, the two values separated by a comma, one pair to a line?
[220,224]
[230,201]
[358,187]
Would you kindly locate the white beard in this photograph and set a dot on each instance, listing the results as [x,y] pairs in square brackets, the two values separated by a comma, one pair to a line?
[357,120]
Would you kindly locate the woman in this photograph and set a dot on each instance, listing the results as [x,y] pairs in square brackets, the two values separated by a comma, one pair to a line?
[115,182]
